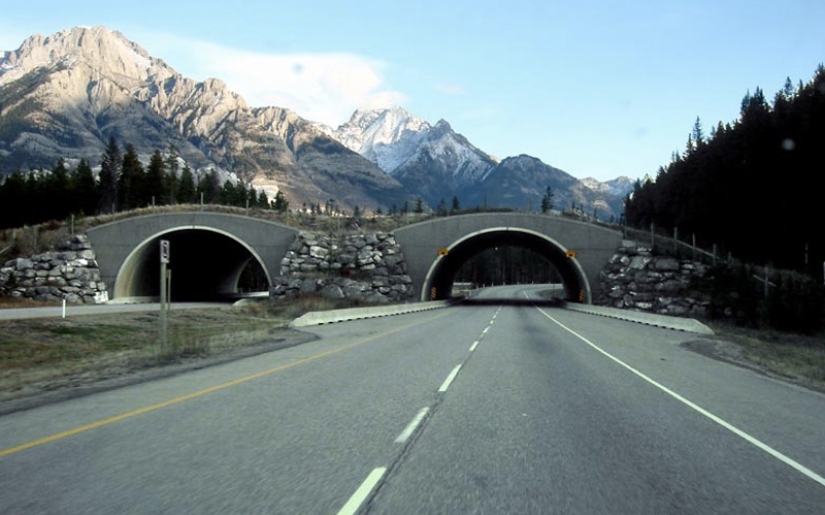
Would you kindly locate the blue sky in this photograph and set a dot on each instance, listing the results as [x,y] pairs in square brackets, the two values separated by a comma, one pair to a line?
[596,88]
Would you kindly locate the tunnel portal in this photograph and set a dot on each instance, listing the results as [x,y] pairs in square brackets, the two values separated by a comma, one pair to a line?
[204,265]
[443,271]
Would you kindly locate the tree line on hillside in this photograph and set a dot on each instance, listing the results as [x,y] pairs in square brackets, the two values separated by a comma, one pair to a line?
[752,189]
[123,183]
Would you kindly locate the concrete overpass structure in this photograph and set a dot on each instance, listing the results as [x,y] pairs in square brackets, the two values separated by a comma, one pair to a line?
[437,248]
[210,251]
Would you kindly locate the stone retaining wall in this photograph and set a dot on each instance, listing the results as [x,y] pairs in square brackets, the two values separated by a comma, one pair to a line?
[369,267]
[70,272]
[636,279]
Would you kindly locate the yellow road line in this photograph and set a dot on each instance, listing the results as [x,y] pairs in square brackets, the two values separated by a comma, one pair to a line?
[199,393]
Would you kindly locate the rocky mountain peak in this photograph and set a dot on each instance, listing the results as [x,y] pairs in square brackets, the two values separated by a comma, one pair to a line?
[105,51]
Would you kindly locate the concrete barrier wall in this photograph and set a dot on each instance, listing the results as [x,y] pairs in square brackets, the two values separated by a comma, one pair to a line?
[342,315]
[688,325]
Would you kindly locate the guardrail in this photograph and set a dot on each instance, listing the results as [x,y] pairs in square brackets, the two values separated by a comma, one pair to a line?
[343,315]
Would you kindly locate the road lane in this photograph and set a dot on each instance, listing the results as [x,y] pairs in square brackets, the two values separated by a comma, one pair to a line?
[299,440]
[538,422]
[533,421]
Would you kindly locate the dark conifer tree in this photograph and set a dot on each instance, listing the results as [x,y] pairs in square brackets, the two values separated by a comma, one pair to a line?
[109,175]
[153,184]
[186,193]
[130,182]
[86,192]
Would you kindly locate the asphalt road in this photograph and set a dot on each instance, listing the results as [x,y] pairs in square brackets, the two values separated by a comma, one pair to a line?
[477,409]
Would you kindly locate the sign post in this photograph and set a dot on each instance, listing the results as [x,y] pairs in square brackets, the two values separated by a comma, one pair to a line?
[164,260]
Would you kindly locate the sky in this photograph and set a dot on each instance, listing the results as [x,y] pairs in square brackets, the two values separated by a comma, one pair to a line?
[599,88]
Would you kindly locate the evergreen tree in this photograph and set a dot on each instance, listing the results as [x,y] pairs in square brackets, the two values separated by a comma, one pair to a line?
[419,205]
[456,205]
[153,185]
[263,200]
[209,186]
[547,200]
[109,175]
[186,193]
[85,188]
[441,209]
[129,184]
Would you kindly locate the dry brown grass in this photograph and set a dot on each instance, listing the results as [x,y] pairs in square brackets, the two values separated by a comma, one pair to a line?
[39,355]
[796,357]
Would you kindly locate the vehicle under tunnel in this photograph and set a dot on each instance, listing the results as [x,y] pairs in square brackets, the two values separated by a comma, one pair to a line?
[204,266]
[506,256]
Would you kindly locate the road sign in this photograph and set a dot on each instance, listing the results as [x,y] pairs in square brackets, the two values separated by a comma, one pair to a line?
[164,251]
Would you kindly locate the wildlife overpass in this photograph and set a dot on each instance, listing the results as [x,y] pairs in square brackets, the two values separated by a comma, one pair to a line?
[211,253]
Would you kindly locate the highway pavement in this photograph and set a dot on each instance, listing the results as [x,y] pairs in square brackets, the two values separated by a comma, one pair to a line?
[471,409]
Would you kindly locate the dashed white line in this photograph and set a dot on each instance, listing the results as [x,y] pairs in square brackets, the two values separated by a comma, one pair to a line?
[360,495]
[410,429]
[485,330]
[473,346]
[449,379]
[730,427]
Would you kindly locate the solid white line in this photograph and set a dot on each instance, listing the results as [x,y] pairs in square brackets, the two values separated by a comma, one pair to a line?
[449,379]
[410,429]
[363,491]
[730,427]
[473,346]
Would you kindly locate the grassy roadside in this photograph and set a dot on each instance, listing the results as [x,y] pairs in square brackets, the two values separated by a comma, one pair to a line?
[795,357]
[41,355]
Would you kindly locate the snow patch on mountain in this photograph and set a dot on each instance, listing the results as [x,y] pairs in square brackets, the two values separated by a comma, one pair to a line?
[620,186]
[386,137]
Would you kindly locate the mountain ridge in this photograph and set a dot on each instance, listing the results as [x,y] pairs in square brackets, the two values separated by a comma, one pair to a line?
[64,95]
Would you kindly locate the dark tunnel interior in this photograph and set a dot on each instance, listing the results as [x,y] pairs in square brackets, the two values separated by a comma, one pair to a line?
[443,276]
[203,266]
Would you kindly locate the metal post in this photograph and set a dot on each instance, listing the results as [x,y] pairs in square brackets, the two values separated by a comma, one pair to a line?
[693,238]
[163,305]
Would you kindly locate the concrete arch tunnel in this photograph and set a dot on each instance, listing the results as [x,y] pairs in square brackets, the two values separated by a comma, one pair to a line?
[208,254]
[424,244]
[205,264]
[439,281]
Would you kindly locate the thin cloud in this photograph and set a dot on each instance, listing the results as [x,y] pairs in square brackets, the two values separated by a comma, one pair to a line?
[450,89]
[325,88]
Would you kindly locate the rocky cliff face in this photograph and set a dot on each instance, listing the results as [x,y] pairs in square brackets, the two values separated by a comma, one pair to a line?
[66,94]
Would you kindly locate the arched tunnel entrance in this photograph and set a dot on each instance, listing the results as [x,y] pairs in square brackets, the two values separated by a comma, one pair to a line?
[444,270]
[204,265]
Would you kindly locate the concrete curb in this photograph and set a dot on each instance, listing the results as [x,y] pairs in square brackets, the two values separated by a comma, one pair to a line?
[343,315]
[688,325]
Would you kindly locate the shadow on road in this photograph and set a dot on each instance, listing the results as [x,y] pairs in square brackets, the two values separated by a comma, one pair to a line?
[550,303]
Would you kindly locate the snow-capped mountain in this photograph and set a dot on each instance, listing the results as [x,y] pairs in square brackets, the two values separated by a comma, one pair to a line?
[386,137]
[437,163]
[65,95]
[620,186]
